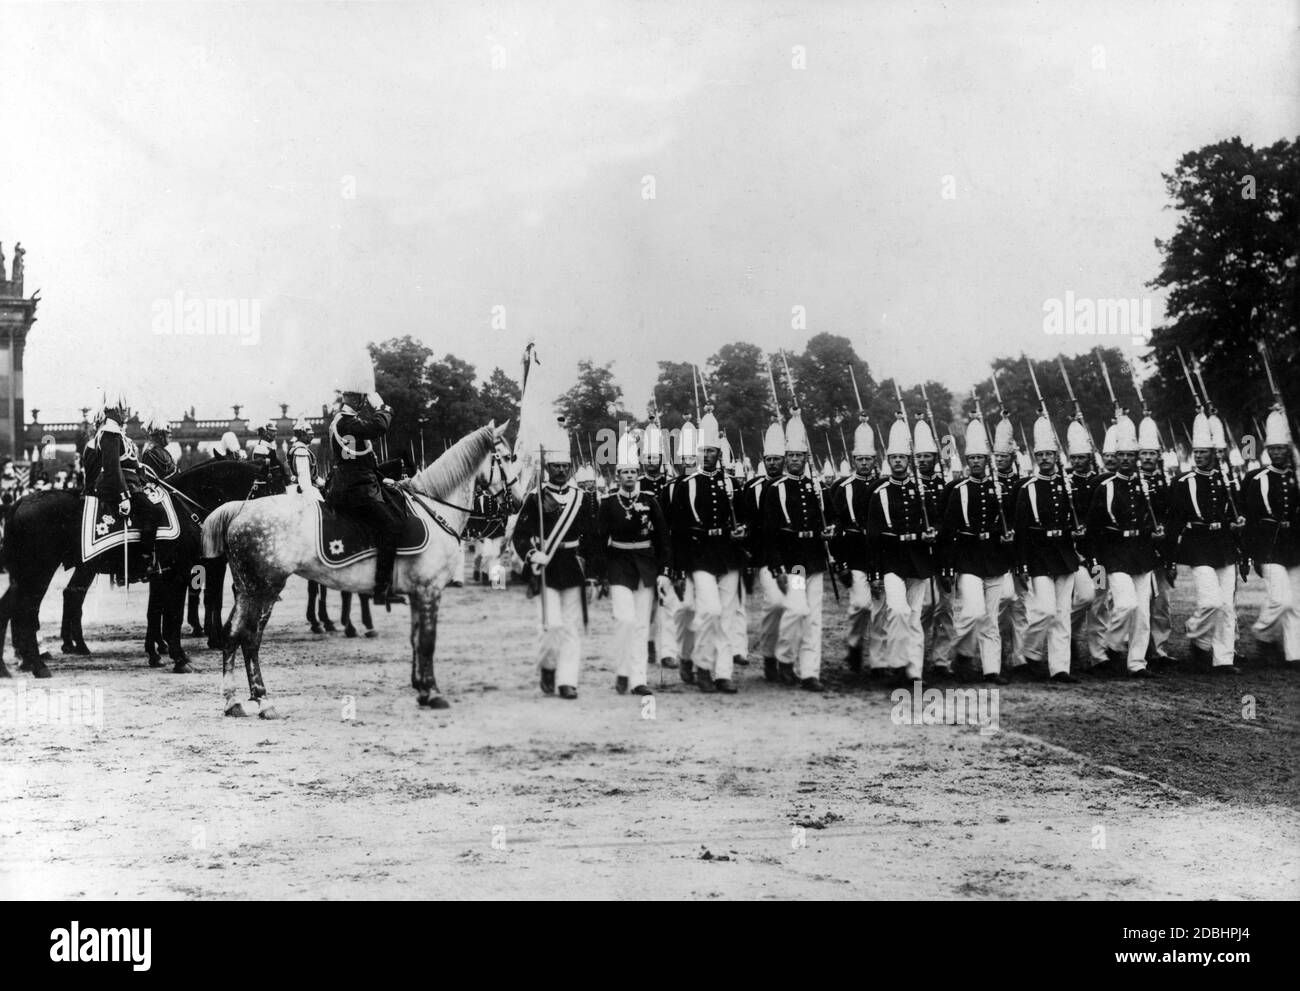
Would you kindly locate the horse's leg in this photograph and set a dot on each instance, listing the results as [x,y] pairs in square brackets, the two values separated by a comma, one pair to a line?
[153,638]
[424,635]
[237,635]
[213,591]
[324,616]
[6,613]
[313,588]
[26,621]
[267,598]
[366,621]
[173,588]
[192,594]
[74,600]
[346,614]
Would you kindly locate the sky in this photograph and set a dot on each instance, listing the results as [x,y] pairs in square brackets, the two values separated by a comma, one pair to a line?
[626,182]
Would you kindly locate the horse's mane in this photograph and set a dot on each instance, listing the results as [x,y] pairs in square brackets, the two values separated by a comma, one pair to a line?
[456,465]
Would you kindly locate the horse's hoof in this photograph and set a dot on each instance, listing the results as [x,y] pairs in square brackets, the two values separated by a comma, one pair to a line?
[25,666]
[214,644]
[372,634]
[76,648]
[268,712]
[317,628]
[197,632]
[4,670]
[235,709]
[434,702]
[39,670]
[331,628]
[349,631]
[183,667]
[45,656]
[155,660]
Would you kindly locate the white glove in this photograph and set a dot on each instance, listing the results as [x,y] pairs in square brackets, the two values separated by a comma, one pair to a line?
[540,558]
[124,507]
[374,400]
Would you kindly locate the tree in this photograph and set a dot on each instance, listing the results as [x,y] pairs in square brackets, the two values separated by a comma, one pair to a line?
[456,407]
[674,392]
[742,399]
[594,403]
[401,368]
[500,396]
[1230,269]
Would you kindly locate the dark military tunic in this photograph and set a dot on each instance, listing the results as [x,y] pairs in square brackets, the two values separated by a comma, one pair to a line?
[895,523]
[971,531]
[701,521]
[794,515]
[159,459]
[852,503]
[1044,526]
[1197,531]
[1120,531]
[1272,509]
[634,534]
[569,564]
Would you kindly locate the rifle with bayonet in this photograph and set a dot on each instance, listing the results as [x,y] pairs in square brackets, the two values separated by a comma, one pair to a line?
[1078,416]
[934,432]
[1146,414]
[1008,534]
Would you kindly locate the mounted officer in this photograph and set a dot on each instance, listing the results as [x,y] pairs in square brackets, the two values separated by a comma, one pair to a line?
[267,457]
[154,455]
[113,477]
[302,461]
[355,483]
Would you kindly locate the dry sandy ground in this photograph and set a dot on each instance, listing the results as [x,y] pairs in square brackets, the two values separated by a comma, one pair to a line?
[1105,790]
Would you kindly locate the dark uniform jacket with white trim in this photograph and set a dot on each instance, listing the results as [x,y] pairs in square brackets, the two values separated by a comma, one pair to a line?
[1120,532]
[852,501]
[112,464]
[634,536]
[577,554]
[354,476]
[1272,509]
[971,530]
[1197,529]
[894,526]
[794,515]
[159,459]
[749,508]
[701,523]
[1044,528]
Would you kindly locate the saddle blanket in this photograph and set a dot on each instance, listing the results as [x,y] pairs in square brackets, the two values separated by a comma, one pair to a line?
[341,540]
[103,530]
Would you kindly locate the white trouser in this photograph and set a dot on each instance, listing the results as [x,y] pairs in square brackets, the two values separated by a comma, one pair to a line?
[631,630]
[489,554]
[1279,616]
[1212,625]
[1129,622]
[1162,620]
[715,598]
[799,637]
[937,622]
[737,623]
[1013,620]
[859,609]
[770,625]
[904,637]
[975,620]
[877,649]
[560,647]
[1047,611]
[669,622]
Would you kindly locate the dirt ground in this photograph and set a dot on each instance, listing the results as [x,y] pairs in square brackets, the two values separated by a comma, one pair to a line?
[1183,787]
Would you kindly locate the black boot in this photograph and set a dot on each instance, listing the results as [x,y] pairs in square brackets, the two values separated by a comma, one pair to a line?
[384,573]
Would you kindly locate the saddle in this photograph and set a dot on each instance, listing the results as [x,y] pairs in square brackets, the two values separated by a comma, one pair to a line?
[342,540]
[102,530]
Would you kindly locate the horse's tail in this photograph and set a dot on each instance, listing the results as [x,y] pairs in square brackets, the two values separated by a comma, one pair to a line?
[215,526]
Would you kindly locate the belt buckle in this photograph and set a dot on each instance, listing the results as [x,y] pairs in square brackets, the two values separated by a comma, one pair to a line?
[983,536]
[1216,526]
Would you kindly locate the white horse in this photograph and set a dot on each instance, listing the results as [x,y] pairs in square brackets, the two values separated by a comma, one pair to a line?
[269,539]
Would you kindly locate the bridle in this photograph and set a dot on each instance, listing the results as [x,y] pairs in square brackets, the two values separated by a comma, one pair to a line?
[496,468]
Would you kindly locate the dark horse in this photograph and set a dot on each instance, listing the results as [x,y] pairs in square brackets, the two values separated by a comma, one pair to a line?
[44,535]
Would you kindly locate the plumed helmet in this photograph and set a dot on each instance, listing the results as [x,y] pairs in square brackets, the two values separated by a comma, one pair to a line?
[844,470]
[585,473]
[1044,435]
[357,373]
[266,428]
[900,438]
[229,443]
[1004,437]
[1148,435]
[1276,429]
[1217,432]
[977,440]
[924,439]
[1110,443]
[864,440]
[156,420]
[1126,435]
[1202,436]
[796,437]
[774,440]
[302,428]
[686,441]
[1076,438]
[707,435]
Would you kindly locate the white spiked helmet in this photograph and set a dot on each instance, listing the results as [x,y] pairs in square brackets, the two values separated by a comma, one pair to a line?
[864,441]
[1148,435]
[900,438]
[708,432]
[924,442]
[1076,439]
[796,437]
[1044,435]
[1276,430]
[977,441]
[1004,437]
[774,440]
[1202,436]
[1126,435]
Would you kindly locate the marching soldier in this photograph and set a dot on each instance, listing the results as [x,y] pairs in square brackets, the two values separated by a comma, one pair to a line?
[678,599]
[154,455]
[654,479]
[1046,532]
[1272,506]
[557,540]
[751,513]
[1157,484]
[355,483]
[936,614]
[586,479]
[1088,606]
[852,506]
[630,526]
[1013,617]
[706,548]
[977,557]
[1201,531]
[796,527]
[737,618]
[1122,535]
[899,547]
[113,475]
